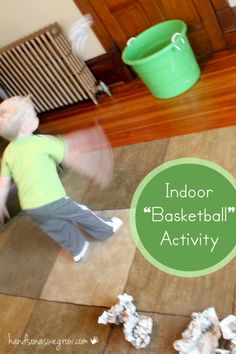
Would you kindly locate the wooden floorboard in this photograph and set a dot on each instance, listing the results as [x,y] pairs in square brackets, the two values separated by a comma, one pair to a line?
[133,115]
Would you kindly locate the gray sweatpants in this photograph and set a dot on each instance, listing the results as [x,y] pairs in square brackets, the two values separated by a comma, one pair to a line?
[58,220]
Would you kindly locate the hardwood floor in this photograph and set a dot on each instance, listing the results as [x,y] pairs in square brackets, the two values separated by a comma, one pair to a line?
[133,115]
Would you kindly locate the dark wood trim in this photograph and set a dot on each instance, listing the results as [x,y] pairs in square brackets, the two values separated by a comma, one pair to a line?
[110,68]
[110,25]
[98,27]
[107,67]
[227,18]
[208,15]
[220,4]
[231,39]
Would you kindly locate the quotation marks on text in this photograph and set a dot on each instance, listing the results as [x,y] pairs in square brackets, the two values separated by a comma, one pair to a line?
[231,209]
[147,210]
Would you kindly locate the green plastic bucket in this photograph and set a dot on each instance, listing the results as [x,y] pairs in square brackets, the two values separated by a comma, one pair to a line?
[163,59]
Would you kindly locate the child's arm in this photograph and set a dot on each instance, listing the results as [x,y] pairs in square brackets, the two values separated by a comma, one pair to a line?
[88,152]
[5,184]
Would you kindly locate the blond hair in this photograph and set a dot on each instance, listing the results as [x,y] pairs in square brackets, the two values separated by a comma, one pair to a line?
[14,112]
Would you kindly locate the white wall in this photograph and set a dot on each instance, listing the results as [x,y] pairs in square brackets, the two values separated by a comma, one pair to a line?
[232,2]
[19,18]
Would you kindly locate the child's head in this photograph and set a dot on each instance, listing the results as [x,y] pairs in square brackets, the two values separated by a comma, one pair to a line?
[17,117]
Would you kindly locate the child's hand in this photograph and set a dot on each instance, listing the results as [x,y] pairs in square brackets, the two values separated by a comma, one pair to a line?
[3,214]
[5,183]
[89,153]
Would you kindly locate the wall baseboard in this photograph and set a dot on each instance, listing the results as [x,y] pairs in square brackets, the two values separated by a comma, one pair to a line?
[109,68]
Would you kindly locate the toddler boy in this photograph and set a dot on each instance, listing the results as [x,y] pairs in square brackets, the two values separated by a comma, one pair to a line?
[31,161]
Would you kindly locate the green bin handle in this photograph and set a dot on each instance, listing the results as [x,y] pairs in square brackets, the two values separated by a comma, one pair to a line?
[130,41]
[173,38]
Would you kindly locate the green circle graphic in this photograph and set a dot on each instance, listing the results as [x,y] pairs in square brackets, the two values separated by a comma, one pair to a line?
[183,217]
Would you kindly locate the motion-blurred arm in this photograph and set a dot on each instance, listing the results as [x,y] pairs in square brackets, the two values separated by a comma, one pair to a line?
[88,152]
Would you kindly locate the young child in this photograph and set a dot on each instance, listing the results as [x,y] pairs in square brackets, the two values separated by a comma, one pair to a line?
[31,161]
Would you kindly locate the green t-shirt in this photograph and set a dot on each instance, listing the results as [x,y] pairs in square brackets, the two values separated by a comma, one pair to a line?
[31,162]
